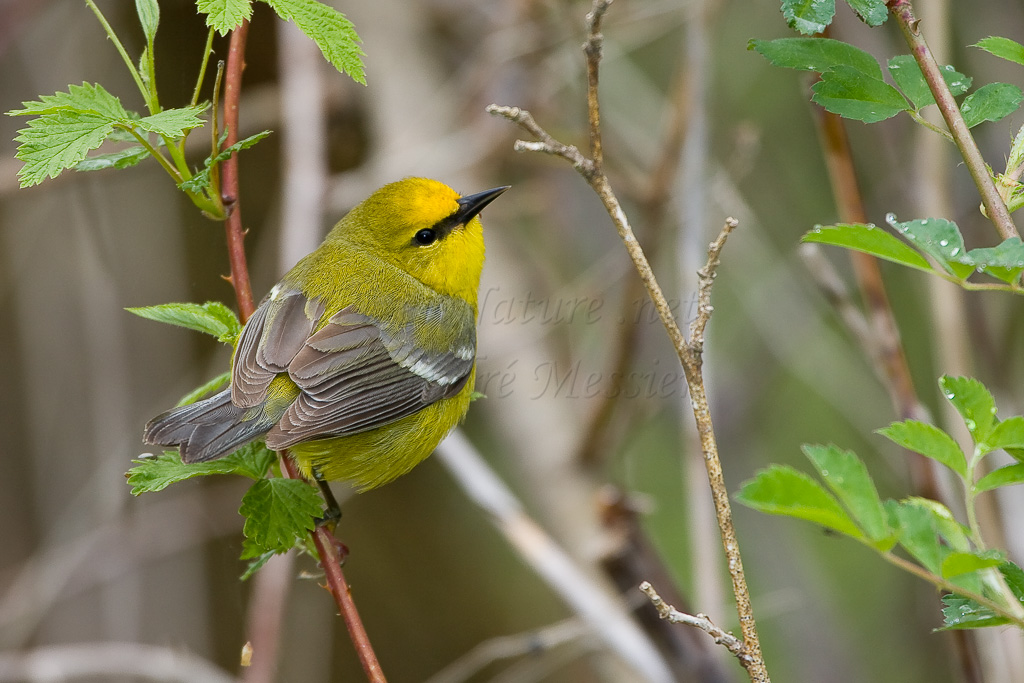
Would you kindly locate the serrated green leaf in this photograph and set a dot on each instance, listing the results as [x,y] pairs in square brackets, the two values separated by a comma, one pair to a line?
[853,94]
[251,551]
[329,29]
[213,318]
[872,12]
[940,239]
[68,126]
[808,16]
[930,441]
[919,534]
[173,122]
[88,97]
[1007,434]
[278,512]
[961,613]
[218,382]
[1014,576]
[959,563]
[781,490]
[1004,476]
[149,17]
[224,16]
[1003,47]
[974,403]
[870,240]
[202,177]
[253,460]
[815,54]
[990,102]
[1004,261]
[125,158]
[954,533]
[848,478]
[157,473]
[57,141]
[911,81]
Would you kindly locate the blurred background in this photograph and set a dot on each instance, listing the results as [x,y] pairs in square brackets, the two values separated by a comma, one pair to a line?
[586,417]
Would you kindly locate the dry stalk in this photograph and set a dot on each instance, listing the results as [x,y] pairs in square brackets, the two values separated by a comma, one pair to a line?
[689,350]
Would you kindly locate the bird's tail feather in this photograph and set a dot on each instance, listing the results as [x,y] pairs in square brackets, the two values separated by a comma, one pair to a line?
[205,430]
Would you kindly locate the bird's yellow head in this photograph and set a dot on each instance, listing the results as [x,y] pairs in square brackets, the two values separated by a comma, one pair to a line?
[426,229]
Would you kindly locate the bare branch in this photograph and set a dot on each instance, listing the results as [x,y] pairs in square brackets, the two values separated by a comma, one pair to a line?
[689,352]
[701,621]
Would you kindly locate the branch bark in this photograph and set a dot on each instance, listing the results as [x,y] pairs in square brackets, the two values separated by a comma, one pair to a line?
[994,207]
[326,544]
[688,351]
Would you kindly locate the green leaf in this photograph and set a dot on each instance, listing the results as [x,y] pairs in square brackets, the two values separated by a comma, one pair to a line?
[149,17]
[1004,476]
[329,29]
[808,16]
[870,240]
[201,178]
[960,613]
[92,98]
[215,384]
[781,490]
[872,12]
[68,126]
[159,472]
[278,512]
[919,534]
[1002,47]
[974,403]
[990,102]
[852,94]
[910,80]
[253,460]
[959,563]
[58,141]
[213,318]
[815,54]
[940,239]
[930,441]
[173,123]
[1004,261]
[125,158]
[225,15]
[849,480]
[251,551]
[1007,434]
[1014,576]
[954,533]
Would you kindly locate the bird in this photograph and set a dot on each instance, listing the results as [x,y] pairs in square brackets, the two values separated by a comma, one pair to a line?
[363,357]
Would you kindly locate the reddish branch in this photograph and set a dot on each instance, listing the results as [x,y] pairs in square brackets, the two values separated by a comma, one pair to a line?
[239,278]
[995,208]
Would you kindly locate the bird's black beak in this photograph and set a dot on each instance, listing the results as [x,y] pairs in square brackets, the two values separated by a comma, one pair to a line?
[472,204]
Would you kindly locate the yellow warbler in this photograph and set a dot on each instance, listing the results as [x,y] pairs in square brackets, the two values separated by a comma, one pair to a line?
[362,358]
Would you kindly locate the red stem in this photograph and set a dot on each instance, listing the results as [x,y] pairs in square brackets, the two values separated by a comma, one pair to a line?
[229,190]
[239,278]
[995,208]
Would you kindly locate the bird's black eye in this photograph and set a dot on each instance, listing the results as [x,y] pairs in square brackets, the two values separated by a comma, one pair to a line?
[425,237]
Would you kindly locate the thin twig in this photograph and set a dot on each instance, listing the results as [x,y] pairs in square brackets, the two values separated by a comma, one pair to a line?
[689,352]
[239,278]
[995,208]
[234,232]
[701,621]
